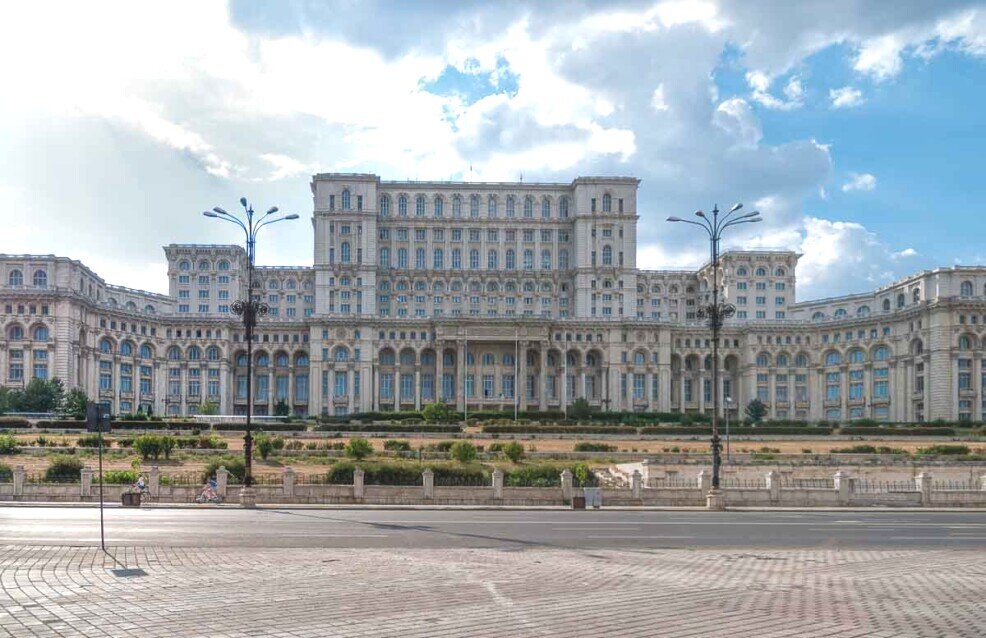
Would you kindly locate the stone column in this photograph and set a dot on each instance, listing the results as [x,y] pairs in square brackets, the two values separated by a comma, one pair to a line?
[646,471]
[498,483]
[222,479]
[635,484]
[582,389]
[701,391]
[440,372]
[543,377]
[460,377]
[20,476]
[154,481]
[376,389]
[520,384]
[704,481]
[774,485]
[288,482]
[358,484]
[982,483]
[225,406]
[417,388]
[428,481]
[86,482]
[923,483]
[566,484]
[649,390]
[841,484]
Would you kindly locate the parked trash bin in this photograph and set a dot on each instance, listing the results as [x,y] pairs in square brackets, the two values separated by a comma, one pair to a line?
[131,499]
[593,497]
[578,502]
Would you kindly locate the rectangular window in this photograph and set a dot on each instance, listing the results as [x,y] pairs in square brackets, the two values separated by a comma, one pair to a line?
[488,389]
[387,385]
[341,384]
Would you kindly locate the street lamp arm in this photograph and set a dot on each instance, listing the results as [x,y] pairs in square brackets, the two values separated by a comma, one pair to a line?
[272,221]
[688,221]
[231,219]
[736,222]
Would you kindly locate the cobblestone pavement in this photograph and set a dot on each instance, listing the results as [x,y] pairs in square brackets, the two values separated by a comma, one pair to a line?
[71,591]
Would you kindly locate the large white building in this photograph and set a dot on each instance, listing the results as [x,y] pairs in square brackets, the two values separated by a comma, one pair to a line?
[480,292]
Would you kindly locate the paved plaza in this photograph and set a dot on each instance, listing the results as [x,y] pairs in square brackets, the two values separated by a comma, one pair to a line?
[73,591]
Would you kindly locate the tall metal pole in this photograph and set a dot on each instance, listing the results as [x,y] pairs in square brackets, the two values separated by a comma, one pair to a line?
[102,530]
[465,381]
[248,321]
[517,371]
[716,443]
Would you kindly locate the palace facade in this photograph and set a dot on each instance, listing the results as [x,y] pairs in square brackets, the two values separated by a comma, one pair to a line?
[488,294]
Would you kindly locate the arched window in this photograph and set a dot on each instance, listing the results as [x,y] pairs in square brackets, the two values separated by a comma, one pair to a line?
[607,255]
[281,359]
[340,354]
[402,257]
[761,272]
[438,259]
[149,309]
[965,289]
[387,357]
[474,259]
[345,252]
[528,207]
[491,207]
[901,300]
[419,206]
[438,206]
[763,360]
[212,353]
[782,361]
[241,360]
[528,259]
[106,346]
[510,259]
[127,349]
[184,266]
[545,259]
[840,312]
[40,279]
[301,359]
[563,259]
[194,353]
[886,305]
[347,200]
[223,265]
[545,208]
[174,353]
[607,203]
[590,360]
[407,357]
[882,353]
[492,262]
[15,278]
[488,359]
[204,264]
[563,208]
[263,359]
[474,206]
[402,206]
[511,208]
[801,361]
[419,258]
[779,272]
[639,358]
[385,206]
[145,352]
[833,358]
[916,295]
[457,206]
[508,359]
[863,311]
[741,272]
[965,343]
[857,356]
[385,257]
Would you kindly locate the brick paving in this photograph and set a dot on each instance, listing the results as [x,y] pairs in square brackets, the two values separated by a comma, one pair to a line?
[71,591]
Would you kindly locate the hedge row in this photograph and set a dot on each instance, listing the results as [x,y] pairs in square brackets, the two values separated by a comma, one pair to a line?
[13,422]
[369,427]
[266,427]
[401,474]
[915,431]
[558,429]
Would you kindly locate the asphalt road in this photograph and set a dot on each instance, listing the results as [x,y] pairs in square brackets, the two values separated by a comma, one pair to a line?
[214,527]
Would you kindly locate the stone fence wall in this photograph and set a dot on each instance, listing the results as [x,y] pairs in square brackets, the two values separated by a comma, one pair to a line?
[841,491]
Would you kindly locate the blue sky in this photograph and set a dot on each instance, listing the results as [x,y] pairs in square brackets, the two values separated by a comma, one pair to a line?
[854,126]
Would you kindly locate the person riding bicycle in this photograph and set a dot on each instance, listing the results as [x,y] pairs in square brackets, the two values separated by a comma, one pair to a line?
[140,485]
[210,491]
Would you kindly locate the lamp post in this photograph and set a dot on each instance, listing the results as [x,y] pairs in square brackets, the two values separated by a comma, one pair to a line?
[715,314]
[729,406]
[250,310]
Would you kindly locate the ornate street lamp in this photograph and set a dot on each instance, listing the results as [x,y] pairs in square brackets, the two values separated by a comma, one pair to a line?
[250,309]
[715,315]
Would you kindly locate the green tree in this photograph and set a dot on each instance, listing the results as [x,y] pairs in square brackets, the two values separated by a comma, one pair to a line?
[513,451]
[281,408]
[756,410]
[7,400]
[74,403]
[463,451]
[207,407]
[358,449]
[580,409]
[40,395]
[439,413]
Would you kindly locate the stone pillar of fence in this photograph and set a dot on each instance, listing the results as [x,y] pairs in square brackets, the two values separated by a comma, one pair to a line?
[222,479]
[635,484]
[358,484]
[982,482]
[20,476]
[498,483]
[86,482]
[428,482]
[647,471]
[288,482]
[841,483]
[704,481]
[774,485]
[923,483]
[154,481]
[566,484]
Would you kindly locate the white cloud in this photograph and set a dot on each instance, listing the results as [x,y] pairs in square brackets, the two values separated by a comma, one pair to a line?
[657,101]
[859,182]
[902,254]
[845,97]
[880,57]
[793,90]
[736,118]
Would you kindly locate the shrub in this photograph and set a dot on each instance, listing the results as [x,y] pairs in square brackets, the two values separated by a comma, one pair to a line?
[945,450]
[439,413]
[91,440]
[463,452]
[8,444]
[358,448]
[61,425]
[915,431]
[118,477]
[6,474]
[64,469]
[234,464]
[549,476]
[13,422]
[152,446]
[265,444]
[580,409]
[585,446]
[397,445]
[855,449]
[513,451]
[266,427]
[756,410]
[559,429]
[390,427]
[294,445]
